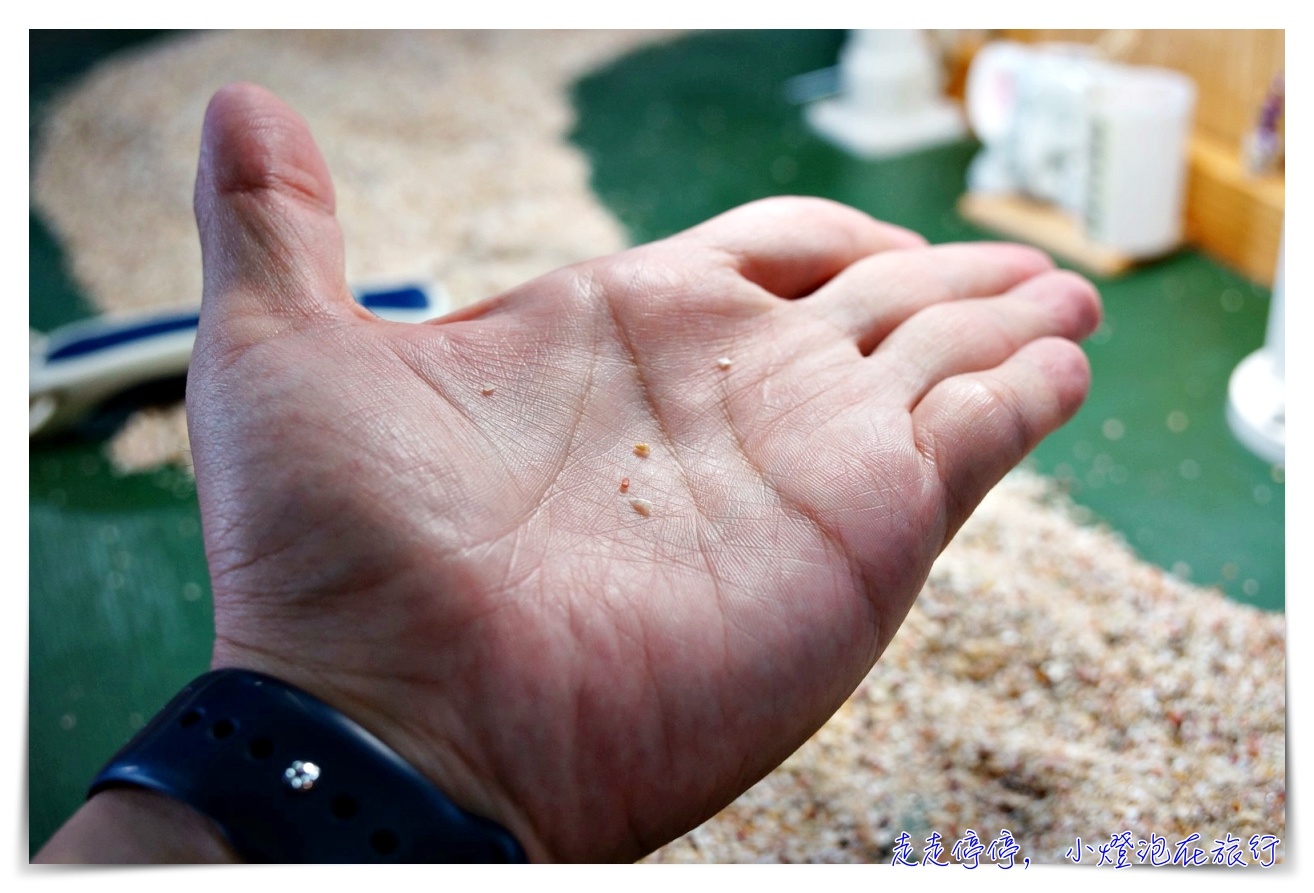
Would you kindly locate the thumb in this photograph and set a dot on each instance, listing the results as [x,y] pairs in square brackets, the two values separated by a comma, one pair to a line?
[271,247]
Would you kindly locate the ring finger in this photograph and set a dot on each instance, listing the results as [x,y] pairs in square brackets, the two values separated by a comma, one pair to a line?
[958,337]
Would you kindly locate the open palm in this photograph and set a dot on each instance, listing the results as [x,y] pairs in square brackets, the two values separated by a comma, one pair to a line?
[448,530]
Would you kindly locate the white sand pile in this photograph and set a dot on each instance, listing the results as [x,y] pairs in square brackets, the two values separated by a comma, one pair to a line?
[1048,683]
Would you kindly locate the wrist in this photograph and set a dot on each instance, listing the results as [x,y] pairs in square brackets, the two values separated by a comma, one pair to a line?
[134,826]
[366,702]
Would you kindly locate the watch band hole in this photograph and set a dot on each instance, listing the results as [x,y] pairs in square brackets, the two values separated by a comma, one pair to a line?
[384,841]
[190,718]
[222,729]
[344,806]
[260,748]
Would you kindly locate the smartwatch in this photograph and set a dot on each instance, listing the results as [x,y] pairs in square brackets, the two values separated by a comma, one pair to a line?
[289,779]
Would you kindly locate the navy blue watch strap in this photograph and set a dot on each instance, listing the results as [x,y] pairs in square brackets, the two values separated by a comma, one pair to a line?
[289,779]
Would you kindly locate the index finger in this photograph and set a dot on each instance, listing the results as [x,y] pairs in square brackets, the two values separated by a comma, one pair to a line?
[792,245]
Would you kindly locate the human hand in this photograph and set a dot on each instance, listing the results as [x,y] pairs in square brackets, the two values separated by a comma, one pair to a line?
[424,524]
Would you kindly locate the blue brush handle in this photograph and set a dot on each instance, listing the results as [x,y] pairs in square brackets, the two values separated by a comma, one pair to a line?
[80,365]
[80,339]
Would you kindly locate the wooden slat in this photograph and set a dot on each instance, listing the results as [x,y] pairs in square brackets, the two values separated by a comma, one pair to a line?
[1231,214]
[1044,226]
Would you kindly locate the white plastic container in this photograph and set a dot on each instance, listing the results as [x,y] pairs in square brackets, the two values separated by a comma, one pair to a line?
[1105,142]
[1257,390]
[1027,105]
[1140,119]
[889,101]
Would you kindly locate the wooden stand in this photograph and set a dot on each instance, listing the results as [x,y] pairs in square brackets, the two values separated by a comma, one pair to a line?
[1232,214]
[1044,226]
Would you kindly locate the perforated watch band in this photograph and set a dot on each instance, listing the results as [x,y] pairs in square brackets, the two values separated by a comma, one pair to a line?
[289,779]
